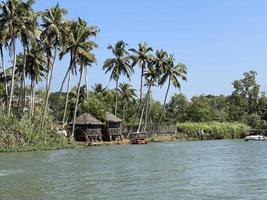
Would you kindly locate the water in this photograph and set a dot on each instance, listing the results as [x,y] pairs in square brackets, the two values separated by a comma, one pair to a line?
[229,169]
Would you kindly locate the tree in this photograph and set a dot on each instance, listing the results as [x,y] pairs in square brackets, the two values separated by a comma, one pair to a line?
[171,73]
[244,98]
[118,65]
[142,57]
[128,95]
[151,75]
[35,69]
[177,108]
[99,88]
[12,21]
[52,40]
[83,53]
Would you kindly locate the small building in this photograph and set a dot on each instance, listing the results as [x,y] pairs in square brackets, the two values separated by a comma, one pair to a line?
[113,130]
[87,128]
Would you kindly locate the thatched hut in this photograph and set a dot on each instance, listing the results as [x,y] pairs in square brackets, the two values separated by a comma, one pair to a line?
[113,129]
[87,128]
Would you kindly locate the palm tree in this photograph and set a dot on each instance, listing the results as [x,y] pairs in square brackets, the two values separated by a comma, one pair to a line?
[98,88]
[29,34]
[118,65]
[35,69]
[4,43]
[52,40]
[142,57]
[82,52]
[12,21]
[151,75]
[171,73]
[128,94]
[75,40]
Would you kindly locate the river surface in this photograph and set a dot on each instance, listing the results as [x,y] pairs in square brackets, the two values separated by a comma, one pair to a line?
[226,169]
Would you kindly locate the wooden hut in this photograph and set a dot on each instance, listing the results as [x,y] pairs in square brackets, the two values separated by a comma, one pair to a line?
[113,129]
[87,128]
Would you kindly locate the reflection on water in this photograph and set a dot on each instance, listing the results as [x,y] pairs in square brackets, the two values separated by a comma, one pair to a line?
[183,170]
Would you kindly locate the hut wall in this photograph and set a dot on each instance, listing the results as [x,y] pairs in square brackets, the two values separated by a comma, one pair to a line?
[90,130]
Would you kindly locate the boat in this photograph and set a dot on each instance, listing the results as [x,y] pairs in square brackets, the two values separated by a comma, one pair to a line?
[255,138]
[139,141]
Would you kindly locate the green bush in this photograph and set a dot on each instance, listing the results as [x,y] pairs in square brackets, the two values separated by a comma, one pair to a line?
[214,130]
[24,133]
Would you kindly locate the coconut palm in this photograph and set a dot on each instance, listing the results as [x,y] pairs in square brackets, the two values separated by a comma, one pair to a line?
[3,43]
[118,65]
[36,70]
[151,76]
[99,88]
[128,95]
[52,40]
[142,57]
[171,73]
[29,34]
[75,40]
[12,21]
[82,52]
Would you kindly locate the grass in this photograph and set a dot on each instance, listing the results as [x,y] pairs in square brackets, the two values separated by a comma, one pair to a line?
[24,134]
[214,130]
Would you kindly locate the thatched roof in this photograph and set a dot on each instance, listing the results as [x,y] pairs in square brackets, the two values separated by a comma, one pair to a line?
[112,118]
[87,118]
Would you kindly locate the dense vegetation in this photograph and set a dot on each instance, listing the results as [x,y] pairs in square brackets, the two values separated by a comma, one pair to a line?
[32,41]
[213,130]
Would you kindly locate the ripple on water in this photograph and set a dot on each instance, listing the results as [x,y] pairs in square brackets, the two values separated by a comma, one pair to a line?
[7,172]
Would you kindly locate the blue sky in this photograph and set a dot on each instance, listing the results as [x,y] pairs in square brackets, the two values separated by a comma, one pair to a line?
[217,40]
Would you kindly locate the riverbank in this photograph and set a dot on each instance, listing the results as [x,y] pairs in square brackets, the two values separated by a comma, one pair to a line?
[79,145]
[44,140]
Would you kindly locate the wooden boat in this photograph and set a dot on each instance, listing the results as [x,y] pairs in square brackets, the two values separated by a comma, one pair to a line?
[139,141]
[255,138]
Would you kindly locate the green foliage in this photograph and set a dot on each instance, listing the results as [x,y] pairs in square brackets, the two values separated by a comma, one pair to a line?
[214,130]
[25,134]
[94,107]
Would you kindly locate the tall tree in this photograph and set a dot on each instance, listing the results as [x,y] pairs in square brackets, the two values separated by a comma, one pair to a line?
[151,75]
[74,42]
[12,21]
[128,95]
[142,57]
[99,88]
[35,69]
[171,73]
[52,41]
[83,53]
[118,65]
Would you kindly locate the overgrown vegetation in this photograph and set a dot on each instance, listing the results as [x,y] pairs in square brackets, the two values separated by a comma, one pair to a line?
[213,130]
[33,41]
[24,134]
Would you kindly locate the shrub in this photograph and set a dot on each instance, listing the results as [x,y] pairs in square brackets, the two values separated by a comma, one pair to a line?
[214,130]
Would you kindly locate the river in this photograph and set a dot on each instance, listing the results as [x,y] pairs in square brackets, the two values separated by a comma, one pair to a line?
[226,169]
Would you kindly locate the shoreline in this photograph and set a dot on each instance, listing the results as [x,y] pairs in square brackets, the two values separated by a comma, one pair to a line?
[81,145]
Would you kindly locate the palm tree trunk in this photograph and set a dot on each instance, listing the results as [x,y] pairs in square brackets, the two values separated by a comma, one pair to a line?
[31,98]
[4,73]
[141,84]
[13,74]
[124,109]
[22,82]
[165,100]
[86,84]
[77,101]
[63,82]
[116,93]
[67,99]
[48,87]
[143,109]
[147,111]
